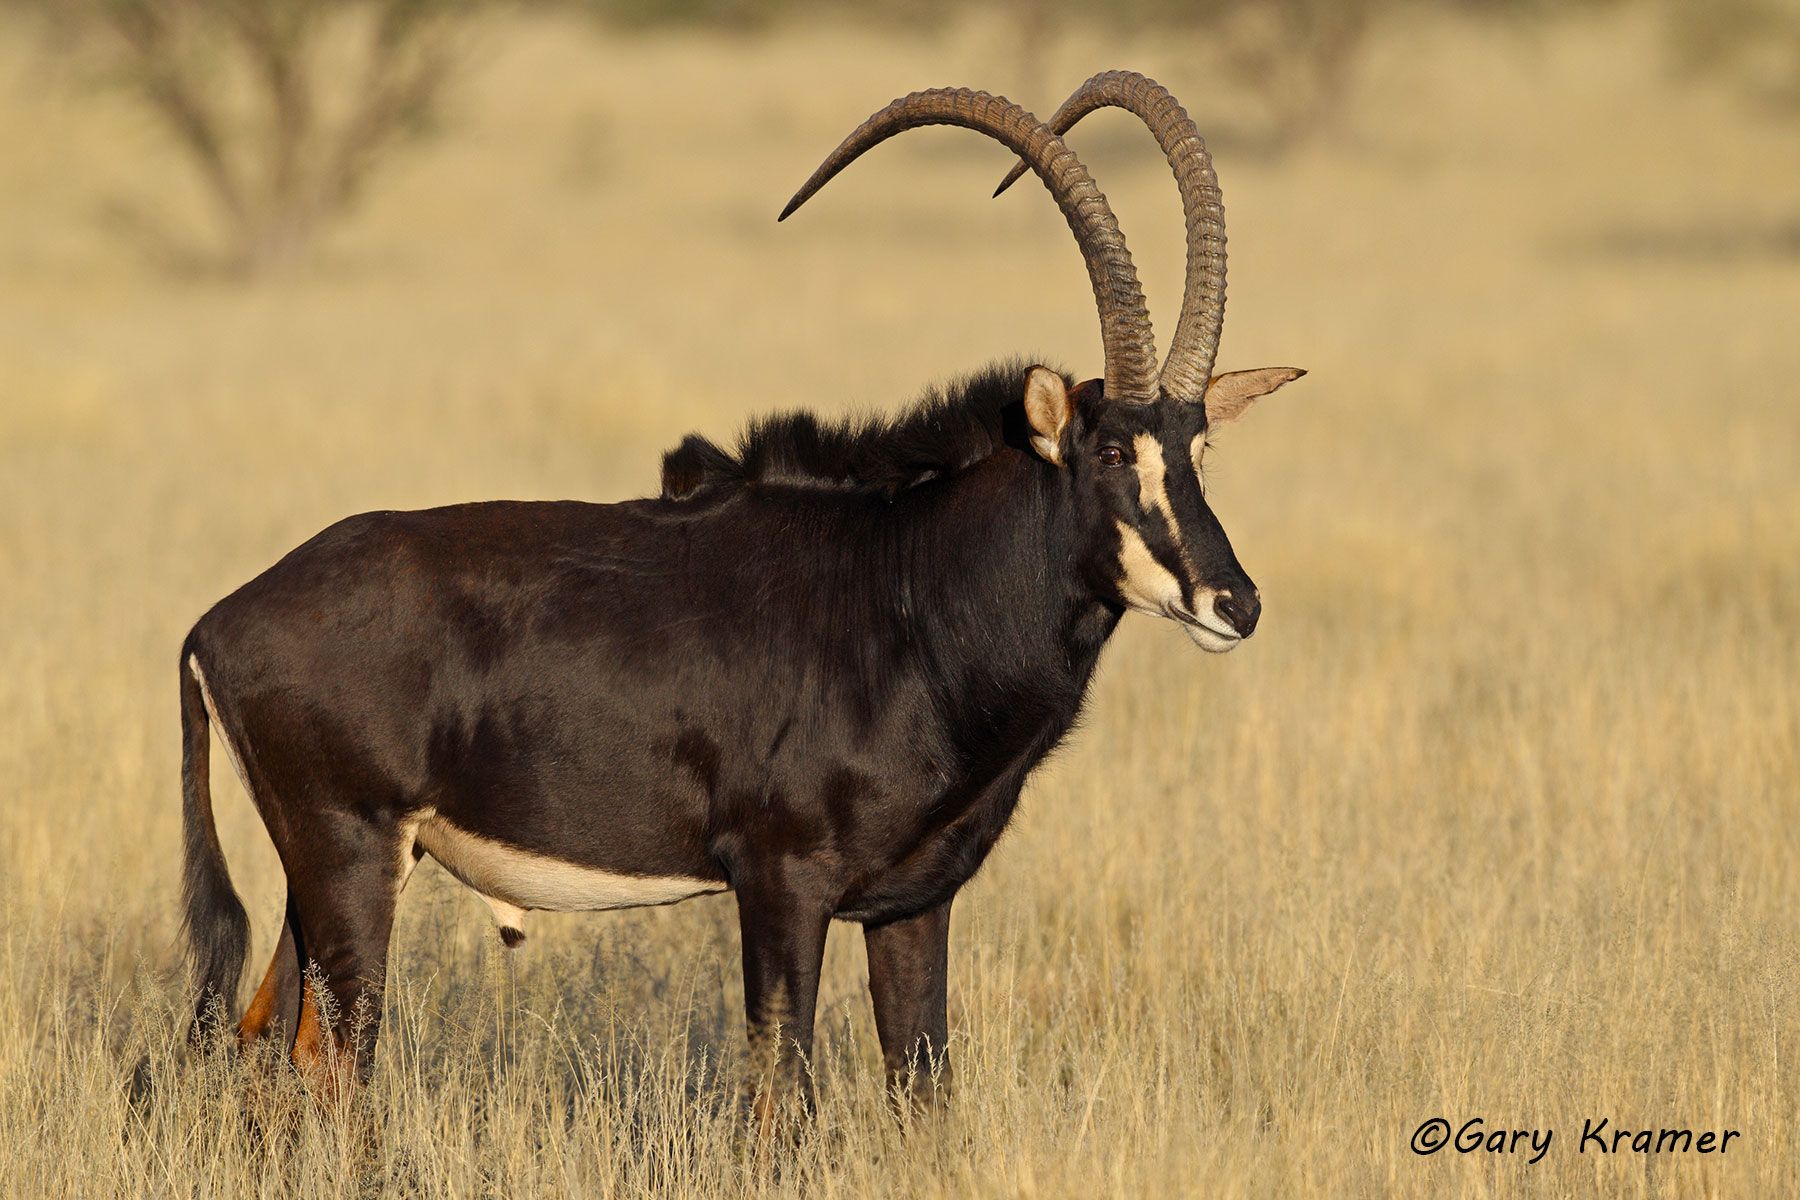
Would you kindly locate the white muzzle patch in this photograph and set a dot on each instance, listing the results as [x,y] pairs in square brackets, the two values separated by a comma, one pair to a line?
[1149,586]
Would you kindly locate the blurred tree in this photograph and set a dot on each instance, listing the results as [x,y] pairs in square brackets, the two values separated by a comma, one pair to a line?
[282,141]
[729,14]
[752,15]
[1756,43]
[1296,58]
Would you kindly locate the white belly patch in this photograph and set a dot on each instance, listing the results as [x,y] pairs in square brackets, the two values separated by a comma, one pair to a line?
[514,881]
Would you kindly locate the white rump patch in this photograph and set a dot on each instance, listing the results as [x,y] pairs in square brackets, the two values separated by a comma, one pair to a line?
[218,726]
[514,881]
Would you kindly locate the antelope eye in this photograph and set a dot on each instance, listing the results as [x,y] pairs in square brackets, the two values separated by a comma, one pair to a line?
[1111,456]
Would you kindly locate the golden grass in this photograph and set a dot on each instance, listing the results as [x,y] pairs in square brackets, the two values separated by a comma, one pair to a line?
[1498,817]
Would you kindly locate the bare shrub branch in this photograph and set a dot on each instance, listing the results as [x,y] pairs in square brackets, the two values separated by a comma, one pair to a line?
[285,109]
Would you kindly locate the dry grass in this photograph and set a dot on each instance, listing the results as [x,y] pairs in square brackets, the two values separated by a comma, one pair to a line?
[1496,818]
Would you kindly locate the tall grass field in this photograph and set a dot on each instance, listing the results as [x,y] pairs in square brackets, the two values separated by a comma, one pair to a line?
[1497,818]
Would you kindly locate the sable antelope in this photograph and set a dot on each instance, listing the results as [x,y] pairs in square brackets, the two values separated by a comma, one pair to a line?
[816,671]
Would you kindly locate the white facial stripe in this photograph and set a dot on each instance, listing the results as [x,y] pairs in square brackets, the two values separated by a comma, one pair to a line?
[511,879]
[1148,587]
[1146,584]
[1153,490]
[1153,494]
[1205,596]
[212,714]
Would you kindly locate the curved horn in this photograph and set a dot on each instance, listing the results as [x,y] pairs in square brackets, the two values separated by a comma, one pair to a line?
[1131,375]
[1196,342]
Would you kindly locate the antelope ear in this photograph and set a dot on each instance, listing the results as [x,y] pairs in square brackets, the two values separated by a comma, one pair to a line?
[1228,395]
[1047,409]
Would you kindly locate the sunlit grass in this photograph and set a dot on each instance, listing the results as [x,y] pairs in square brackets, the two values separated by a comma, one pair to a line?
[1497,816]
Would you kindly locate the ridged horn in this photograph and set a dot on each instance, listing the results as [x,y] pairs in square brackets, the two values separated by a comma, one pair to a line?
[1130,347]
[1195,345]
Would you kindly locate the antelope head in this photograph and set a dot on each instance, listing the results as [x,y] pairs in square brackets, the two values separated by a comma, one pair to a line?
[1132,444]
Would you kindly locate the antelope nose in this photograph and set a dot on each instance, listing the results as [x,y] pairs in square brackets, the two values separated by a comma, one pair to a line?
[1241,614]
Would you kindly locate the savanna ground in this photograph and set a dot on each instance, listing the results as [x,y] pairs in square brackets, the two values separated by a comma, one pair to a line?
[1496,817]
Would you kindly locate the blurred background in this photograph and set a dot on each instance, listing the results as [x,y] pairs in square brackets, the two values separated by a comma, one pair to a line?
[1496,815]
